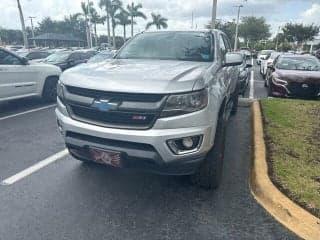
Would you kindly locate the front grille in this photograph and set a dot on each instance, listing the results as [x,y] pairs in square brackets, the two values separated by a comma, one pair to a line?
[297,89]
[113,118]
[136,111]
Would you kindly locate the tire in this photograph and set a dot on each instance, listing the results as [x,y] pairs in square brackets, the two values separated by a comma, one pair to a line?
[209,174]
[269,90]
[235,100]
[50,89]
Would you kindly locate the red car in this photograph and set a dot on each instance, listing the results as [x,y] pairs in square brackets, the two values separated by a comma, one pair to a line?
[294,76]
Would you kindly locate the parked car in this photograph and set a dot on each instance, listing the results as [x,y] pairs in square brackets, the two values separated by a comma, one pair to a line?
[263,55]
[317,54]
[160,105]
[101,56]
[264,63]
[19,78]
[295,76]
[34,54]
[68,59]
[246,53]
[244,76]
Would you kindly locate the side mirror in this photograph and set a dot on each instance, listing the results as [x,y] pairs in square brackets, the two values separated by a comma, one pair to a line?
[249,65]
[233,59]
[271,67]
[24,61]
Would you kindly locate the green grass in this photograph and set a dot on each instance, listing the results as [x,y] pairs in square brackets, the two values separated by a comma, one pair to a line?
[292,134]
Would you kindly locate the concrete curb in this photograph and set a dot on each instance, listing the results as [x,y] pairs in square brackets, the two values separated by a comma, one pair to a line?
[292,216]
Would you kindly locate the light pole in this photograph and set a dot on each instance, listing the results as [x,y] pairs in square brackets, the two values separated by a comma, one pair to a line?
[89,26]
[31,21]
[237,28]
[214,14]
[277,38]
[24,33]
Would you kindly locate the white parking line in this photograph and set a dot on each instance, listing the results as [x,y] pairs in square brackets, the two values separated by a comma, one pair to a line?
[251,93]
[29,111]
[30,170]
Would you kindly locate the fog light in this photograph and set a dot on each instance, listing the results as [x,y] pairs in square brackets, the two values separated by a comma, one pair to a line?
[187,142]
[185,145]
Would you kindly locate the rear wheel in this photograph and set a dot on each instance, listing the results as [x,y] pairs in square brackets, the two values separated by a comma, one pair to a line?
[50,89]
[210,172]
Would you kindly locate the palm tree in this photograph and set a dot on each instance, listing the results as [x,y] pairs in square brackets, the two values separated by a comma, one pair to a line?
[86,8]
[115,6]
[106,4]
[96,19]
[122,19]
[134,12]
[158,21]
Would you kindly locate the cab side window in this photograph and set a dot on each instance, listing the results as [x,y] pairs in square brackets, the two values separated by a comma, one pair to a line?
[227,43]
[223,47]
[8,59]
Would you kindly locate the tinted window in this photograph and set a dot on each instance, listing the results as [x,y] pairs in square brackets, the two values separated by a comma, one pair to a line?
[8,59]
[185,46]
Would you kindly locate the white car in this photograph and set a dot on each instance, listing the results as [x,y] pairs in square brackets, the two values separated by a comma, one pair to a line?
[265,63]
[263,55]
[20,78]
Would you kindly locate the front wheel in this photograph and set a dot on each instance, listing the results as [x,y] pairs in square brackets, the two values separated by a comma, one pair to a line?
[235,100]
[210,172]
[50,89]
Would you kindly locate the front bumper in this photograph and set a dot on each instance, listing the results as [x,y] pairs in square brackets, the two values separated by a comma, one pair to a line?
[142,149]
[281,90]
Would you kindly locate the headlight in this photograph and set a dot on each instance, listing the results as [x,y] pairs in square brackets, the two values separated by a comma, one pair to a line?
[185,103]
[280,81]
[60,90]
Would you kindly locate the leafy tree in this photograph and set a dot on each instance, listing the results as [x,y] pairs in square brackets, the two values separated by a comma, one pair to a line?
[86,9]
[229,28]
[296,32]
[134,12]
[122,18]
[106,5]
[96,19]
[158,21]
[116,6]
[254,29]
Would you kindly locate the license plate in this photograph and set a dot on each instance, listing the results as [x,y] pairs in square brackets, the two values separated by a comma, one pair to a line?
[106,157]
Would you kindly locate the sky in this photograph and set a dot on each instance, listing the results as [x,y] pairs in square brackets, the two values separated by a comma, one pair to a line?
[178,12]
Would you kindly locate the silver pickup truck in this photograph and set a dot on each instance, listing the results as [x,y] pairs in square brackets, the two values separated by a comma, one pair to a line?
[160,105]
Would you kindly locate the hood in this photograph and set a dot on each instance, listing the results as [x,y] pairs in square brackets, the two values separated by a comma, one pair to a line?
[299,76]
[138,76]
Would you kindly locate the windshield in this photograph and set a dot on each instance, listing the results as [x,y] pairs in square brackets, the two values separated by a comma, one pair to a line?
[274,55]
[266,52]
[298,63]
[184,46]
[58,57]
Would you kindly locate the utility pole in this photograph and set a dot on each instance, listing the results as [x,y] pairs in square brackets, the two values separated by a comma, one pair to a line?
[192,20]
[214,14]
[237,28]
[32,30]
[89,26]
[24,33]
[277,38]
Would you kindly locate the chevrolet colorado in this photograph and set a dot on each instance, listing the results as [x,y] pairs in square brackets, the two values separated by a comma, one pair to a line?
[161,105]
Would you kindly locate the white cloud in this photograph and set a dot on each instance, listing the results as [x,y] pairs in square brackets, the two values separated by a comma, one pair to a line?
[312,15]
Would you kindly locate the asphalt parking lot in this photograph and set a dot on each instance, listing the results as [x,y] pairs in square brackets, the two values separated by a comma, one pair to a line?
[71,200]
